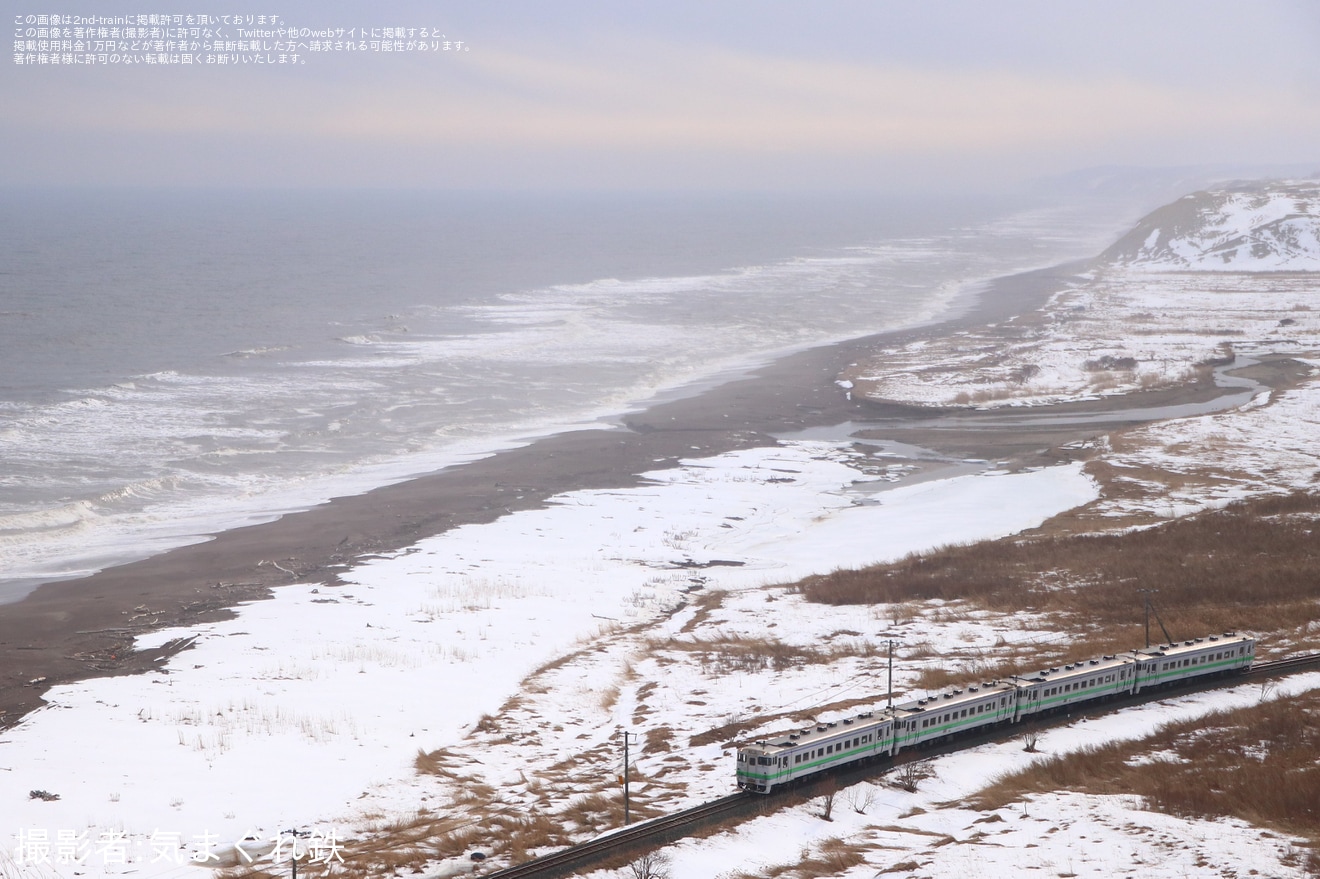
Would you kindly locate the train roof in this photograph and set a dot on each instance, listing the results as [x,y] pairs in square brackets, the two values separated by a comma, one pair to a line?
[953,698]
[1076,669]
[1178,648]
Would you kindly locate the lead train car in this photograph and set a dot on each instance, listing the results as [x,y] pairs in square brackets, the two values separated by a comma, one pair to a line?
[766,764]
[784,758]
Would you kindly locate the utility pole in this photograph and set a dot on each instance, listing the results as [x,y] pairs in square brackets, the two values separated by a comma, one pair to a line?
[293,850]
[891,673]
[627,815]
[1146,594]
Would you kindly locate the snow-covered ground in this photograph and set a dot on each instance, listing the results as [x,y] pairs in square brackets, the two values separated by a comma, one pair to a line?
[1149,316]
[930,833]
[1113,332]
[1173,468]
[308,709]
[1254,228]
[513,656]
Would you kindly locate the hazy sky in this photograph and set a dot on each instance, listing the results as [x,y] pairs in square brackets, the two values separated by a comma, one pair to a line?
[687,94]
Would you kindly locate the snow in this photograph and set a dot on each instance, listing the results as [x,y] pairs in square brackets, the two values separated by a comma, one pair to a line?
[1055,834]
[1254,229]
[1212,276]
[338,688]
[517,652]
[1118,333]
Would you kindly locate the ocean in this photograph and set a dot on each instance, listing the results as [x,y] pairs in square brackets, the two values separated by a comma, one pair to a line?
[177,363]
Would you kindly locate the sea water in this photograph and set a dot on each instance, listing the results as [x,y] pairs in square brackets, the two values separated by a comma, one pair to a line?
[176,363]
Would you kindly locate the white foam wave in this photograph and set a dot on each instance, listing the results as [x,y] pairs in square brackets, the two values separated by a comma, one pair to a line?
[61,518]
[257,352]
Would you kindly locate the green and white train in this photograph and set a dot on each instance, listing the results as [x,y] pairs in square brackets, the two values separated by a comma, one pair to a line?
[778,760]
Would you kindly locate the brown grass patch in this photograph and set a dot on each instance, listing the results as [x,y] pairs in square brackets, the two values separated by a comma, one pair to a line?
[724,654]
[833,857]
[705,604]
[1259,764]
[659,739]
[1252,566]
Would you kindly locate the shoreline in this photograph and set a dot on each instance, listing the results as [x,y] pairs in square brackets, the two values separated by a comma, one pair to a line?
[82,628]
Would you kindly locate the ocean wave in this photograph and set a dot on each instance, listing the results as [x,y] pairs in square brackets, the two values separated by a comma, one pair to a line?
[53,519]
[257,352]
[174,453]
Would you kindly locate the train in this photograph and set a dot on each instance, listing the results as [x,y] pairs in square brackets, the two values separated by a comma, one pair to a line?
[771,763]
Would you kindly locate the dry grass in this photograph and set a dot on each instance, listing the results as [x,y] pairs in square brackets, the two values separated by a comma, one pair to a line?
[724,654]
[1259,764]
[1252,566]
[703,605]
[833,857]
[552,809]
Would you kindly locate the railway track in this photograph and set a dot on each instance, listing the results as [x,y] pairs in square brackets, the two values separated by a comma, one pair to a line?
[618,846]
[649,834]
[1283,666]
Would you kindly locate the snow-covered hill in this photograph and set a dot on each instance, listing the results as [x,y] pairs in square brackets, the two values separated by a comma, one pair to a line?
[1260,227]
